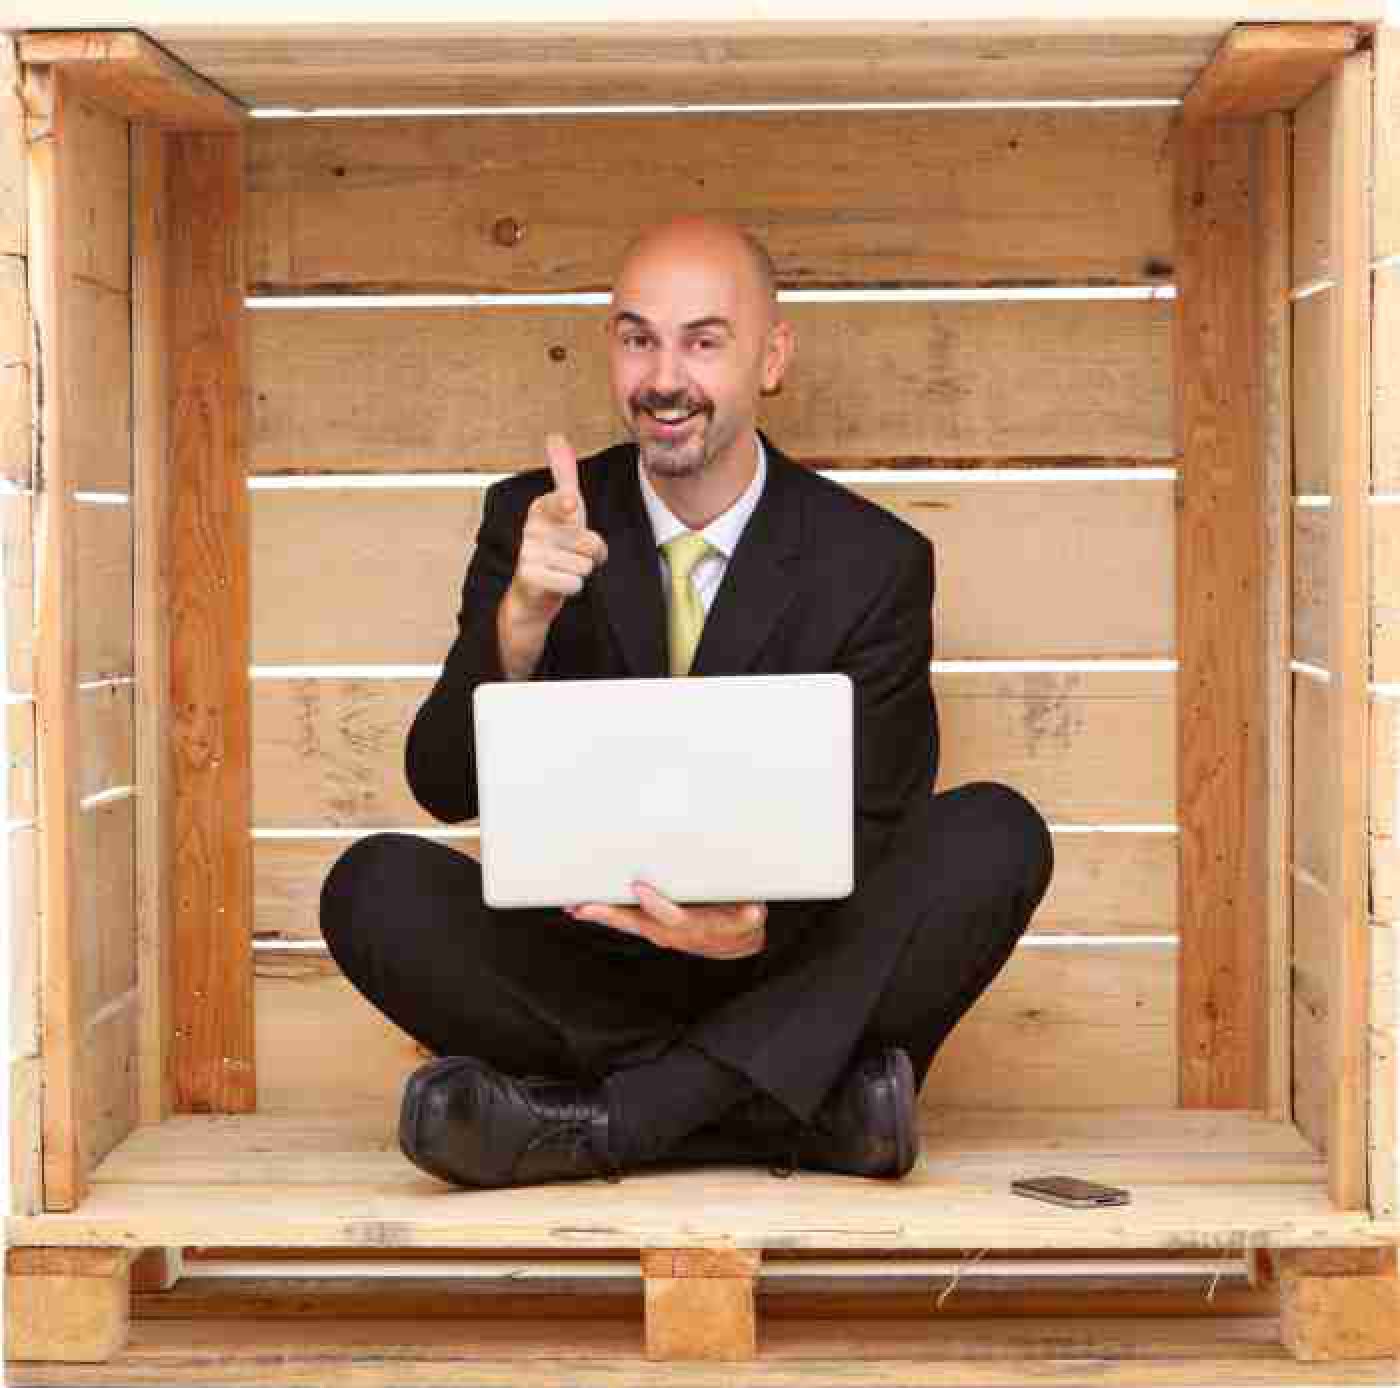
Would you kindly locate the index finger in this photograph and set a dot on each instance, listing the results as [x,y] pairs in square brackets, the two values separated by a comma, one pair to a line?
[563,464]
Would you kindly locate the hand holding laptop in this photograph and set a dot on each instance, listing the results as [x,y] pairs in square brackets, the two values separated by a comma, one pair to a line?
[721,930]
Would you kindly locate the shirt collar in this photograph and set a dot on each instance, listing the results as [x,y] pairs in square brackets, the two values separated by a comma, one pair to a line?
[723,532]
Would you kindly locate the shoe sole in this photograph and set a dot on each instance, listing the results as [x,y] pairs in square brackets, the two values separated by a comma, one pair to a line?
[906,1117]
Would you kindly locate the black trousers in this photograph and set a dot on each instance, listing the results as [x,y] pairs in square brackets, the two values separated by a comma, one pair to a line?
[535,992]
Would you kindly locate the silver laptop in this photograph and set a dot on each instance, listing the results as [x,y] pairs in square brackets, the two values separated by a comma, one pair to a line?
[711,788]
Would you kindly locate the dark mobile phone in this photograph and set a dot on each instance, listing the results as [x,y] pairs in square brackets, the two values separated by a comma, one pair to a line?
[1069,1190]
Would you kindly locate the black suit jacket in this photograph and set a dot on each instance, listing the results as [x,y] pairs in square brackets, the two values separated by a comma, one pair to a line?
[821,580]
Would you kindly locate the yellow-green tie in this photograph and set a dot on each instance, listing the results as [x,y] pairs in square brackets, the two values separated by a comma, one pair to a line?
[686,614]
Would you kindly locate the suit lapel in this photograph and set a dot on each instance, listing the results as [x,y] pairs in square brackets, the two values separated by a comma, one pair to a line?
[759,581]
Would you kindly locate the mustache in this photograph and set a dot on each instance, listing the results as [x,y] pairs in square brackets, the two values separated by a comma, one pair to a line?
[675,402]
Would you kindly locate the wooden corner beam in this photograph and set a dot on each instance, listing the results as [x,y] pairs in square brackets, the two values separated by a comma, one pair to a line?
[125,72]
[1267,67]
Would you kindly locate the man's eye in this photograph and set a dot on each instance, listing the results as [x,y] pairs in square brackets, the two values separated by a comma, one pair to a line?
[632,338]
[707,342]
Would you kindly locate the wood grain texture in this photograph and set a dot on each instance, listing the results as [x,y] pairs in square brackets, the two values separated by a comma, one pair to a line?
[17,567]
[700,1318]
[1385,386]
[1086,747]
[135,78]
[1347,646]
[153,715]
[26,1193]
[1385,52]
[23,961]
[1310,584]
[1314,386]
[14,230]
[99,332]
[411,389]
[22,761]
[210,624]
[1266,67]
[1088,1027]
[1104,884]
[702,59]
[1312,793]
[846,198]
[106,903]
[105,738]
[16,418]
[1314,248]
[1383,1038]
[1222,740]
[1381,809]
[1026,570]
[77,1313]
[56,654]
[104,613]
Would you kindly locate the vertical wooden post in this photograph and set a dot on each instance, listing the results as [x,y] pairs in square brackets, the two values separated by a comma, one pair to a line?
[153,715]
[56,664]
[700,1303]
[1348,639]
[211,627]
[1222,739]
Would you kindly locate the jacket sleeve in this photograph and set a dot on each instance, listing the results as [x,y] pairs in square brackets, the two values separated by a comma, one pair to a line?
[440,752]
[887,656]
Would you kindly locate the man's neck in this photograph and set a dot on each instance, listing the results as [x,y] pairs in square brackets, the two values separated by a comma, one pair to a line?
[711,492]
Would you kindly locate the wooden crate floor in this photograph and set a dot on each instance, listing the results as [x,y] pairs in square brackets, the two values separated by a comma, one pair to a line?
[930,1352]
[1199,1178]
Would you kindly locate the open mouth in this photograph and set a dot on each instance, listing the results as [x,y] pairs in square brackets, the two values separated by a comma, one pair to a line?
[670,421]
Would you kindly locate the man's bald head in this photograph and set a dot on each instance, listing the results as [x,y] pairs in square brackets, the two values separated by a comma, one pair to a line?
[716,240]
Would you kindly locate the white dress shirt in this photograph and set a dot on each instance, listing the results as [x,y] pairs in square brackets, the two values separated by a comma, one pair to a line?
[723,532]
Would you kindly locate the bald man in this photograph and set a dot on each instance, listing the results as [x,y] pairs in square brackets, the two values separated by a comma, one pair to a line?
[598,1039]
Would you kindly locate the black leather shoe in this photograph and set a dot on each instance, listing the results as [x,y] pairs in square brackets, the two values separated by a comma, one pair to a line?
[465,1122]
[866,1126]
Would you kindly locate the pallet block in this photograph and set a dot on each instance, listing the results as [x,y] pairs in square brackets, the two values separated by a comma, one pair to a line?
[700,1303]
[1338,1303]
[71,1305]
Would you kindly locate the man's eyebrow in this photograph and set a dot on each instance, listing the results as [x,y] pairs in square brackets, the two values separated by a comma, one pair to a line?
[713,321]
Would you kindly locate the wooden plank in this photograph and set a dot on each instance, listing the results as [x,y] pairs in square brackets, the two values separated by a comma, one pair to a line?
[13,212]
[152,603]
[1065,1027]
[23,959]
[109,1079]
[104,615]
[16,423]
[1314,387]
[1266,67]
[1383,522]
[1314,248]
[137,79]
[26,1194]
[209,658]
[1031,570]
[399,389]
[1104,884]
[95,230]
[907,197]
[1310,548]
[1222,742]
[56,663]
[1311,793]
[104,736]
[1347,646]
[1385,370]
[99,329]
[1385,51]
[1276,483]
[1381,806]
[106,903]
[21,737]
[1383,1081]
[846,1349]
[1309,994]
[774,60]
[1085,746]
[17,562]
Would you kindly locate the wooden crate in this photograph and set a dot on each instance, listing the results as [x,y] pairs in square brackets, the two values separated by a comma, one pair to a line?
[1166,612]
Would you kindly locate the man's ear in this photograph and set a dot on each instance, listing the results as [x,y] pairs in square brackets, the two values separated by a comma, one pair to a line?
[782,340]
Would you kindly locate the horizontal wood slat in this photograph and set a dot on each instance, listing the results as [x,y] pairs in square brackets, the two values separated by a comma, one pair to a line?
[1104,884]
[105,735]
[1057,1028]
[450,389]
[1032,570]
[1084,746]
[104,604]
[646,61]
[844,198]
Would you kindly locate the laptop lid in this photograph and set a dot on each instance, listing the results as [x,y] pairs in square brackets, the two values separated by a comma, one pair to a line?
[710,788]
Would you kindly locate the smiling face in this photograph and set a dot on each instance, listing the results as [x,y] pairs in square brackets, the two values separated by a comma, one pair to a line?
[693,337]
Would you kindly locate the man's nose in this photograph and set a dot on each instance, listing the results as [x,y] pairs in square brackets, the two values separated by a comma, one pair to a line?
[667,376]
